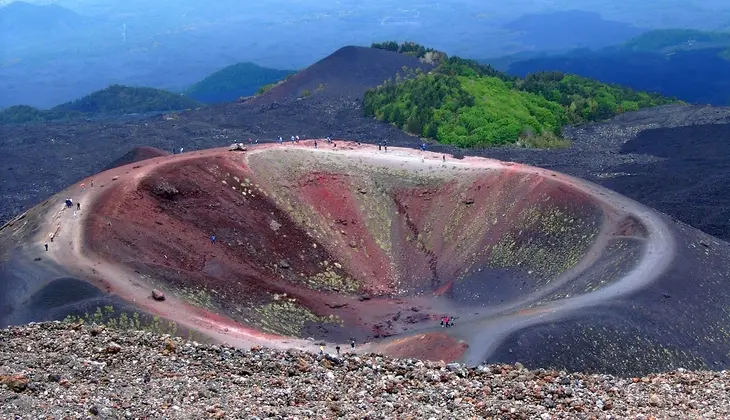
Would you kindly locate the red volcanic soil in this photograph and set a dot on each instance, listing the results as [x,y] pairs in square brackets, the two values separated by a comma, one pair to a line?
[428,346]
[328,243]
[160,224]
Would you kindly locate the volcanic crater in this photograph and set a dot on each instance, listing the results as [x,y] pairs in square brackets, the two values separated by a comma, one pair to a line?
[347,241]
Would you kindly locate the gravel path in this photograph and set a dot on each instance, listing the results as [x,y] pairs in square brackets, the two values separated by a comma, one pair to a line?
[56,370]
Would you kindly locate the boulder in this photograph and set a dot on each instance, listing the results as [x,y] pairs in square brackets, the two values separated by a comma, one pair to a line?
[158,295]
[16,383]
[237,147]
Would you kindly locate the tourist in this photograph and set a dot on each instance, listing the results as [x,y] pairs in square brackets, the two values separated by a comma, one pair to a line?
[78,206]
[47,251]
[212,239]
[336,348]
[352,343]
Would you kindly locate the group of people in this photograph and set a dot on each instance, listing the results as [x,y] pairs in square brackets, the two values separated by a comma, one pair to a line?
[447,322]
[337,348]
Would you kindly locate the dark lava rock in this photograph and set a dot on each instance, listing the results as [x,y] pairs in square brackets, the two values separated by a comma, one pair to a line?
[284,264]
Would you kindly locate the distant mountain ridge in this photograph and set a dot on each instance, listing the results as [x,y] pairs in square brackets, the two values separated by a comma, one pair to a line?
[691,65]
[235,81]
[114,100]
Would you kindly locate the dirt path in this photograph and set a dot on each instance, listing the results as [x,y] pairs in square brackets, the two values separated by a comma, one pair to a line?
[67,249]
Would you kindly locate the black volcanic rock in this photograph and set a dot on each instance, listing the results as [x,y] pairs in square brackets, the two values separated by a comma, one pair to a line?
[348,72]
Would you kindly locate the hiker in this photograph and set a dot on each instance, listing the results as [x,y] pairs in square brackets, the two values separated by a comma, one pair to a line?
[321,350]
[292,139]
[297,139]
[334,145]
[386,147]
[315,144]
[257,141]
[212,239]
[380,146]
[181,150]
[281,139]
[446,320]
[74,214]
[51,235]
[442,322]
[444,158]
[358,143]
[46,246]
[352,343]
[83,187]
[329,140]
[250,141]
[92,183]
[338,349]
[78,206]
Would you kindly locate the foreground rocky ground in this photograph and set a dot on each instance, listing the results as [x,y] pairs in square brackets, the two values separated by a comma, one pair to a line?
[56,370]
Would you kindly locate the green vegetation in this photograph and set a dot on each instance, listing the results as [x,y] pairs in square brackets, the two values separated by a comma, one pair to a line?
[135,321]
[115,99]
[663,39]
[238,80]
[428,55]
[467,104]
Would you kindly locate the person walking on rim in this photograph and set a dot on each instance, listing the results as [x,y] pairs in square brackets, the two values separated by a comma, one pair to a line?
[46,246]
[212,239]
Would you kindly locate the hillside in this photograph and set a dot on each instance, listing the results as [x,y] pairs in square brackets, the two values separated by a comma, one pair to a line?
[692,75]
[566,30]
[114,100]
[346,73]
[471,105]
[42,381]
[234,82]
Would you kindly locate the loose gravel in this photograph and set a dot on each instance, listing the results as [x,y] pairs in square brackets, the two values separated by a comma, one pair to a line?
[59,370]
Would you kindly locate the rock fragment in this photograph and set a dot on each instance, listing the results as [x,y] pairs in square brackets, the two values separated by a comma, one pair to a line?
[158,295]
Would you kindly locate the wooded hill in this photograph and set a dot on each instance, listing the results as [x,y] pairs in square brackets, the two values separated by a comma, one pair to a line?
[468,104]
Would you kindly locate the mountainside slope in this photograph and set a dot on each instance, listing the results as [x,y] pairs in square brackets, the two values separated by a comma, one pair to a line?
[564,30]
[114,100]
[234,82]
[125,99]
[348,72]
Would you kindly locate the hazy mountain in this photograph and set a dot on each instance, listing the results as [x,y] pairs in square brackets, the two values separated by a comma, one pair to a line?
[570,29]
